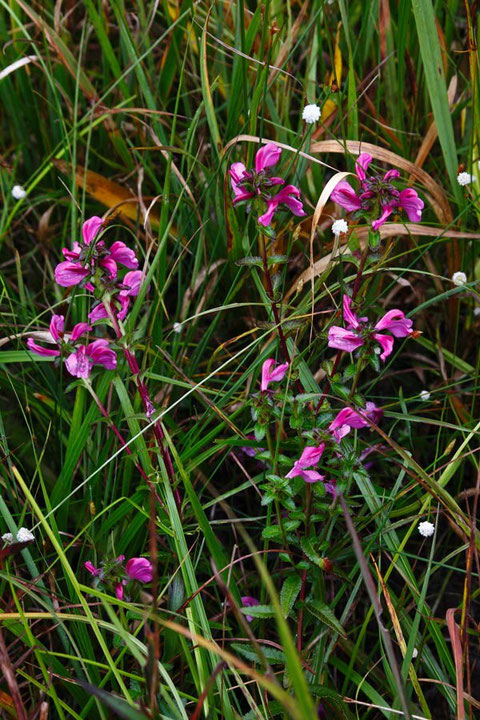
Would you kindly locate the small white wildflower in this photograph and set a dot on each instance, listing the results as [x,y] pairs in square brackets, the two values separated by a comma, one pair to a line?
[24,535]
[476,311]
[424,395]
[414,653]
[459,278]
[8,538]
[377,350]
[426,528]
[339,226]
[311,114]
[18,192]
[465,178]
[177,327]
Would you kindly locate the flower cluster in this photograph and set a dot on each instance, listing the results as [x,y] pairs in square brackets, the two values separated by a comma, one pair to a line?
[255,187]
[113,574]
[23,536]
[377,195]
[94,266]
[360,332]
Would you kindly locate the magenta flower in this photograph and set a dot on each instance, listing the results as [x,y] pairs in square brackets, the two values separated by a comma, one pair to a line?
[121,302]
[270,373]
[310,456]
[349,418]
[258,184]
[92,569]
[249,601]
[82,261]
[358,331]
[139,569]
[377,195]
[82,358]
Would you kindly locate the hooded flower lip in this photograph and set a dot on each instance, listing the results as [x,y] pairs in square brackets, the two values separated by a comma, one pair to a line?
[377,194]
[358,331]
[139,569]
[272,372]
[310,456]
[257,183]
[249,601]
[130,288]
[349,418]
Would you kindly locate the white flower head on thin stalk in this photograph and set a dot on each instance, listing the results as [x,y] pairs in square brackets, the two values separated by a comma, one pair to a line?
[464,178]
[177,327]
[311,114]
[459,278]
[426,528]
[8,538]
[424,396]
[339,226]
[18,193]
[24,535]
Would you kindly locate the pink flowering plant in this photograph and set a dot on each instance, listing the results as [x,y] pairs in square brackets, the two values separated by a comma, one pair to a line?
[120,577]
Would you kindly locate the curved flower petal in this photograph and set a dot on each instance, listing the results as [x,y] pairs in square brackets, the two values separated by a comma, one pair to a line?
[311,476]
[361,165]
[342,339]
[110,266]
[396,322]
[124,255]
[100,353]
[133,281]
[386,212]
[68,273]
[310,455]
[270,373]
[408,200]
[91,568]
[267,216]
[391,175]
[139,569]
[118,587]
[73,254]
[289,196]
[78,364]
[345,196]
[386,342]
[79,330]
[90,229]
[56,327]
[39,350]
[348,315]
[267,156]
[99,312]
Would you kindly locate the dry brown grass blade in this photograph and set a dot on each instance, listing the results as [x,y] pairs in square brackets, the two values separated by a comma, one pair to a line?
[441,205]
[386,231]
[107,192]
[432,132]
[454,632]
[285,146]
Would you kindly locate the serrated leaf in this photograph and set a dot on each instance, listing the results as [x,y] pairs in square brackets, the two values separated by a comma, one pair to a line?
[325,614]
[272,532]
[289,593]
[260,611]
[274,656]
[311,553]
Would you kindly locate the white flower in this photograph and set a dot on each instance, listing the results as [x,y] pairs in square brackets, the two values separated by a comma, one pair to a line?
[424,395]
[414,653]
[339,226]
[8,538]
[311,114]
[426,528]
[465,178]
[18,192]
[177,327]
[459,278]
[377,350]
[24,535]
[476,311]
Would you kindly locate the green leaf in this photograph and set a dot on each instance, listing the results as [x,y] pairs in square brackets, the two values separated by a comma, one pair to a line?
[274,656]
[289,593]
[326,615]
[259,611]
[252,260]
[277,259]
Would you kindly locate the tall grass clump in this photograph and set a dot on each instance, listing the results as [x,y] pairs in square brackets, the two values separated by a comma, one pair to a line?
[239,431]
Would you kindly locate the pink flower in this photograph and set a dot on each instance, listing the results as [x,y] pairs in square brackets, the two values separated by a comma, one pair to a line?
[249,601]
[377,195]
[349,418]
[92,569]
[310,456]
[139,569]
[270,373]
[121,302]
[247,185]
[83,260]
[80,363]
[118,587]
[358,332]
